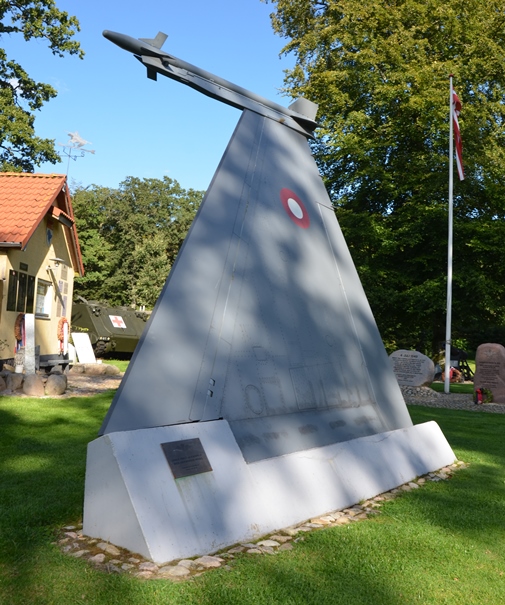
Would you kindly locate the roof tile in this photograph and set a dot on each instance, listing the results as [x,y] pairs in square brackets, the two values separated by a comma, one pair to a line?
[24,199]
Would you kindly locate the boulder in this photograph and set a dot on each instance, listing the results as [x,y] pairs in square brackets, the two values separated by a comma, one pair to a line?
[490,370]
[111,370]
[95,369]
[14,381]
[412,368]
[56,384]
[33,385]
[3,384]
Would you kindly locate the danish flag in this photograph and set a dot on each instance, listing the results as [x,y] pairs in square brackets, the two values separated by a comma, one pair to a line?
[456,108]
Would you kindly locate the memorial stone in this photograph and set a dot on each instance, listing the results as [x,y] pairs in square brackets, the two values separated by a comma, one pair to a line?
[412,368]
[490,370]
[29,361]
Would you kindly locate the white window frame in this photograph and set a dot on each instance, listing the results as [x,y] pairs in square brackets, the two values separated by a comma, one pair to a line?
[43,298]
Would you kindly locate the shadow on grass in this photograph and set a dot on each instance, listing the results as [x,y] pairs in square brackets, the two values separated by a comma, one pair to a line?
[42,466]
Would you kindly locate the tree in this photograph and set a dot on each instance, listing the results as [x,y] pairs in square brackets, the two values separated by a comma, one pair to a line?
[130,237]
[379,72]
[20,96]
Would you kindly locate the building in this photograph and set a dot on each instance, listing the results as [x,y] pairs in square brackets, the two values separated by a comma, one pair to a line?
[39,258]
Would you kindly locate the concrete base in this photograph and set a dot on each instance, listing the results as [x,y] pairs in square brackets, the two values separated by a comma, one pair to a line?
[132,499]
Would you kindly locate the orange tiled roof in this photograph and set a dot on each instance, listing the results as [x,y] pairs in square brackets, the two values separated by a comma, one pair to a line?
[24,201]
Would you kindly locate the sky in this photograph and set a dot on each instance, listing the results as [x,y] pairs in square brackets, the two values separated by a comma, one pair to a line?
[138,127]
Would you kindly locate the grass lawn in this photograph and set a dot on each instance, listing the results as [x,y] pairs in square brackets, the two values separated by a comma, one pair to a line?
[122,364]
[465,387]
[442,544]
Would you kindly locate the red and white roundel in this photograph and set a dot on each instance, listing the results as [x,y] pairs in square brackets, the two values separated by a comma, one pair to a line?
[295,208]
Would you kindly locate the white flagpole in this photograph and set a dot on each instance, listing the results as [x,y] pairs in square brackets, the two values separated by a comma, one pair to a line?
[449,251]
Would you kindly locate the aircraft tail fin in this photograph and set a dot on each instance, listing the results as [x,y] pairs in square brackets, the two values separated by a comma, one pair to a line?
[156,42]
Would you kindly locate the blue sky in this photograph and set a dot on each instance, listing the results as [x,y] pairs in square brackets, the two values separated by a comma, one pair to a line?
[143,128]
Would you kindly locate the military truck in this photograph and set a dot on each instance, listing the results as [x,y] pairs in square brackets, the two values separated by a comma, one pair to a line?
[112,330]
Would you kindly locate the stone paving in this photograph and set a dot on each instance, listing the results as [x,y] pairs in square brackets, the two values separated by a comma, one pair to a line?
[112,559]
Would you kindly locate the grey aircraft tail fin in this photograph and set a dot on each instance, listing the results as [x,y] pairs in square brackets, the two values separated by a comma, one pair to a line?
[156,42]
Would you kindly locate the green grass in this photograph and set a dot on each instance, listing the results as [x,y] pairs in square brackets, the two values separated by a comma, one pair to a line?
[454,387]
[442,544]
[122,364]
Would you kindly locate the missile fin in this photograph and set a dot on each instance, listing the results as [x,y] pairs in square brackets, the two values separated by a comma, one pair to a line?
[156,42]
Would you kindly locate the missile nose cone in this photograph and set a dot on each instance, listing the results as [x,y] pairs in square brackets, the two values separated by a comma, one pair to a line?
[125,42]
[112,36]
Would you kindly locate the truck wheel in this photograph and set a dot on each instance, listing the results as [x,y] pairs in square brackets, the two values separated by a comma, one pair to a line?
[99,348]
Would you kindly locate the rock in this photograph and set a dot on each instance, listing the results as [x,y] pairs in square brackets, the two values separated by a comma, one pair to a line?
[175,571]
[412,368]
[111,370]
[270,543]
[95,369]
[3,384]
[208,561]
[280,539]
[286,546]
[99,558]
[109,548]
[144,574]
[490,370]
[14,381]
[33,386]
[78,368]
[188,563]
[148,566]
[56,384]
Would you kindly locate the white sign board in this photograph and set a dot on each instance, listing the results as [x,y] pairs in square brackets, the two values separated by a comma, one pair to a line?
[83,348]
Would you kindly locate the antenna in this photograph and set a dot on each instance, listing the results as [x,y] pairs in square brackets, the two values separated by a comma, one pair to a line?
[74,148]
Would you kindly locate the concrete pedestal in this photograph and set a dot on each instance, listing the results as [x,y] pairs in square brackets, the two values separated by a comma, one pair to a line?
[133,500]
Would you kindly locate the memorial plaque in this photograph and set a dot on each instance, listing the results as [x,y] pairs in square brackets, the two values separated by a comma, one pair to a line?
[412,368]
[490,370]
[186,457]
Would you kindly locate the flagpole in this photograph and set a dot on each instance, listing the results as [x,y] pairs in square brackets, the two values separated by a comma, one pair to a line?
[449,250]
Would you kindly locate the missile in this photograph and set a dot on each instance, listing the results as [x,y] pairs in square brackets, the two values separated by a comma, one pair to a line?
[150,47]
[299,116]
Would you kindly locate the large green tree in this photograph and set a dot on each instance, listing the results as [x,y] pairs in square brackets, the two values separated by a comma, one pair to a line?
[130,237]
[379,71]
[20,95]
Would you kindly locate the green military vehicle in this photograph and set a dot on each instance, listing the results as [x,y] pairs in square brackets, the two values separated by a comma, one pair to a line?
[113,331]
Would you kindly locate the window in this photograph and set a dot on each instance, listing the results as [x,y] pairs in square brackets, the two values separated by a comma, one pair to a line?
[43,304]
[21,292]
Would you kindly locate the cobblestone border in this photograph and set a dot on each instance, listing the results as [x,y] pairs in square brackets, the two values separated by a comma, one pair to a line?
[111,559]
[427,397]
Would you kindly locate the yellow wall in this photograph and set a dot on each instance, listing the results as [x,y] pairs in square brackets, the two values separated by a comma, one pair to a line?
[37,256]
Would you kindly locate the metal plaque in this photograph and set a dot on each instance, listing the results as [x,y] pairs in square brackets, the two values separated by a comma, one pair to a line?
[186,457]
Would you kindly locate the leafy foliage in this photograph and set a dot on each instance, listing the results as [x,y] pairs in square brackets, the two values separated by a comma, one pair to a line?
[130,237]
[20,96]
[379,72]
